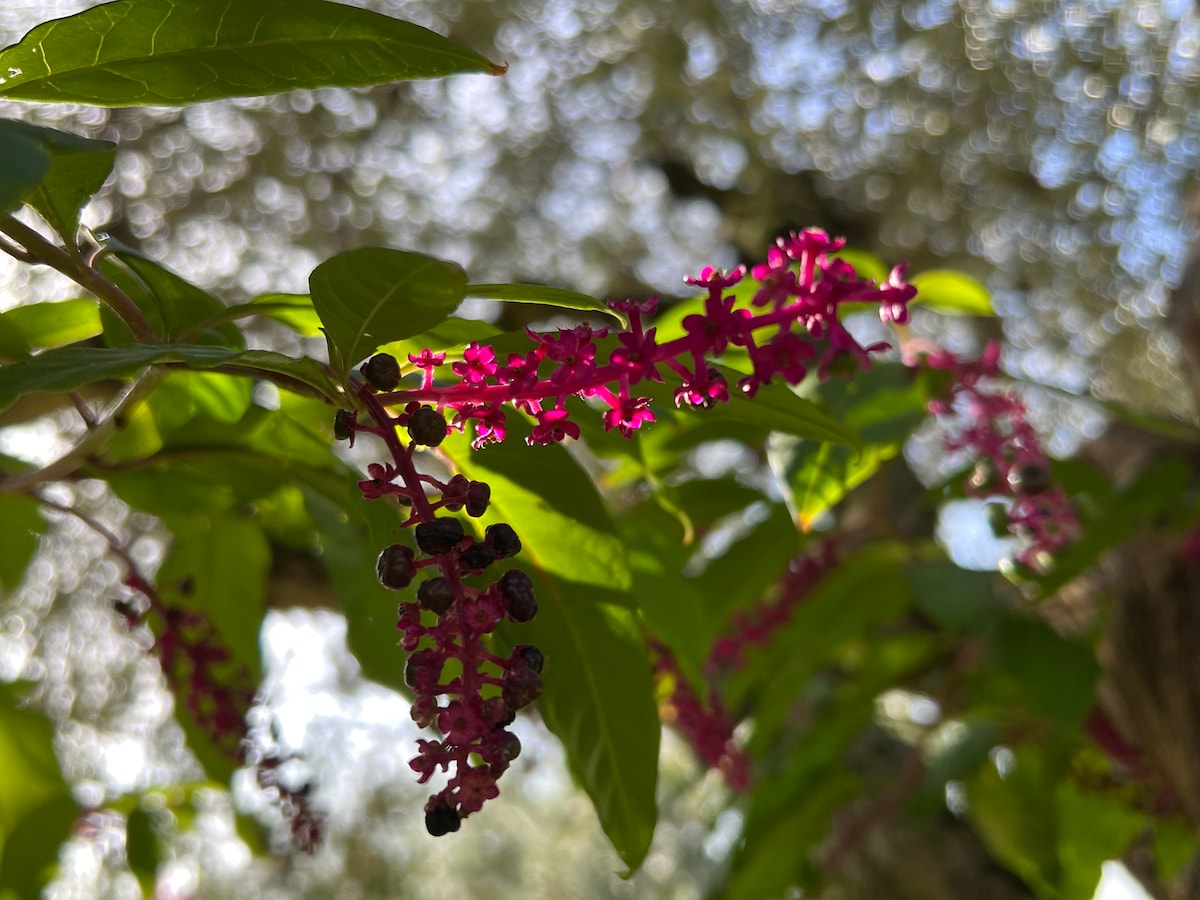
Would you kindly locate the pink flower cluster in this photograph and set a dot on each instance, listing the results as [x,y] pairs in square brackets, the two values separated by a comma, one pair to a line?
[198,666]
[754,627]
[789,323]
[462,690]
[1010,460]
[704,722]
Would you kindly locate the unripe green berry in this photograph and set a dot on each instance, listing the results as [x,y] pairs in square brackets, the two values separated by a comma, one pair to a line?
[382,372]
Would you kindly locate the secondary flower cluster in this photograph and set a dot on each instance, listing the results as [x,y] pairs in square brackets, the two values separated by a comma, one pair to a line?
[467,694]
[787,323]
[198,666]
[704,721]
[1010,461]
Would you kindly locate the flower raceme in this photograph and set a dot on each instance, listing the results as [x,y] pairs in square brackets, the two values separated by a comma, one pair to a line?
[787,326]
[462,690]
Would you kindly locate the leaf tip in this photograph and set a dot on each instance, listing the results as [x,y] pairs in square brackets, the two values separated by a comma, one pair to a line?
[498,68]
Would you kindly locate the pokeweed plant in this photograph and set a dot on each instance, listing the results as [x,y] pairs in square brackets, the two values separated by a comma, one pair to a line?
[484,563]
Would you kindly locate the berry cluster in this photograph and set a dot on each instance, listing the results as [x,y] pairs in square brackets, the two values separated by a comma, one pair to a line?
[1010,462]
[460,688]
[305,825]
[788,323]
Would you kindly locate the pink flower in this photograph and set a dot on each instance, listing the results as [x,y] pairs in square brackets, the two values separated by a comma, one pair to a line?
[636,355]
[778,281]
[380,483]
[628,415]
[478,365]
[474,786]
[554,426]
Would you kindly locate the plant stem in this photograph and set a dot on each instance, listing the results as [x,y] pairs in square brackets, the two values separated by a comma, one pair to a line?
[75,268]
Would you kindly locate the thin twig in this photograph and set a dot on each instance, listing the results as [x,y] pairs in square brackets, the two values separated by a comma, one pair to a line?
[85,411]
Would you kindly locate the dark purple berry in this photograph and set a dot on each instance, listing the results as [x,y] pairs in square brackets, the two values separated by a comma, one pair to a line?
[516,592]
[503,540]
[395,567]
[1029,479]
[477,557]
[423,666]
[455,494]
[435,595]
[497,714]
[382,372]
[512,746]
[521,688]
[478,497]
[440,817]
[526,656]
[427,426]
[439,536]
[343,425]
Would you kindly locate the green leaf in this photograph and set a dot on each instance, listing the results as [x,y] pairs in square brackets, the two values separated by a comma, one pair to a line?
[372,296]
[36,809]
[1053,676]
[545,296]
[450,337]
[218,565]
[883,405]
[1092,828]
[774,408]
[20,526]
[40,326]
[1017,819]
[866,264]
[293,310]
[69,368]
[951,597]
[142,847]
[24,162]
[742,575]
[173,306]
[948,291]
[78,168]
[598,696]
[174,52]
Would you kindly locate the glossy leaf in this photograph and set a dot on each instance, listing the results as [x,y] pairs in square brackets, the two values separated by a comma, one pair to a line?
[24,162]
[372,296]
[948,291]
[78,168]
[36,809]
[69,368]
[174,52]
[882,405]
[40,326]
[544,296]
[598,697]
[20,527]
[450,337]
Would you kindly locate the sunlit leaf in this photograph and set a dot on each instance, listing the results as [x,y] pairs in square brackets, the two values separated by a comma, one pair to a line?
[78,168]
[39,326]
[545,296]
[172,52]
[36,809]
[948,291]
[373,296]
[20,527]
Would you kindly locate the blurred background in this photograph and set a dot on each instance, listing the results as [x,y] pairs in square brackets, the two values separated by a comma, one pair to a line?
[1048,148]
